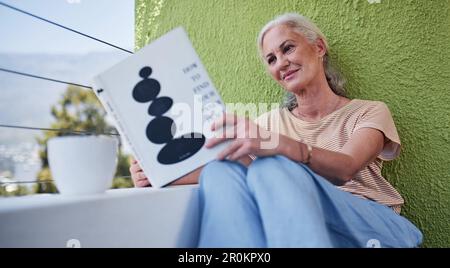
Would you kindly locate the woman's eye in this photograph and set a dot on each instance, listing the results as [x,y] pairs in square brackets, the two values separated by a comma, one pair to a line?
[288,48]
[271,60]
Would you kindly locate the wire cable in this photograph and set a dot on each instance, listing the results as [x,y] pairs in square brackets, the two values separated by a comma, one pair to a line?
[43,78]
[62,26]
[63,130]
[14,180]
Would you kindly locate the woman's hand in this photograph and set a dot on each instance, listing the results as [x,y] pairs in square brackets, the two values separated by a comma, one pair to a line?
[248,138]
[137,175]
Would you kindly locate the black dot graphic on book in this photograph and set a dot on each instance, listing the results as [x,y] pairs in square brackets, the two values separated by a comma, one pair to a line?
[147,89]
[145,72]
[181,148]
[160,106]
[160,130]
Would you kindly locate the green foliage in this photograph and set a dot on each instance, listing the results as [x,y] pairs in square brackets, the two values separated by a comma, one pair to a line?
[7,190]
[78,110]
[9,187]
[122,180]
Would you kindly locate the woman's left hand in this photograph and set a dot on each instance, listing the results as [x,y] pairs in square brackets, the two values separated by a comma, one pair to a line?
[248,138]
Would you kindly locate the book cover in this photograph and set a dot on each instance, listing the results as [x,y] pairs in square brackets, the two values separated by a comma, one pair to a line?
[163,104]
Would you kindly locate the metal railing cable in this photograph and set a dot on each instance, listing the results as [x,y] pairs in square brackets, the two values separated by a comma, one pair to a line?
[43,78]
[61,130]
[62,26]
[16,181]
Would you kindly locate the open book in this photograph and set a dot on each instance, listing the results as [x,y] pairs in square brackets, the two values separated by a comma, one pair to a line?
[163,104]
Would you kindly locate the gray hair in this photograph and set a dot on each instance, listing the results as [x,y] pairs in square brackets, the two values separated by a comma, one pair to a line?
[312,33]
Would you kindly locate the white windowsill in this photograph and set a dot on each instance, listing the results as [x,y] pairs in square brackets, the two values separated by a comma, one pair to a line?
[144,217]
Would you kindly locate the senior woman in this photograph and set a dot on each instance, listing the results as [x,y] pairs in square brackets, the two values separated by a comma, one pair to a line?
[320,184]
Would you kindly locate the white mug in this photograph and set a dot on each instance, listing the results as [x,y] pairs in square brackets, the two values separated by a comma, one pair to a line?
[82,164]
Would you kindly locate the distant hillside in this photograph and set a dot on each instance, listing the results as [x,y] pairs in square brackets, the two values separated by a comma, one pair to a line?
[27,101]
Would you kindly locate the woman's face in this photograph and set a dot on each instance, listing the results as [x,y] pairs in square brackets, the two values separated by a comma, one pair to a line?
[291,60]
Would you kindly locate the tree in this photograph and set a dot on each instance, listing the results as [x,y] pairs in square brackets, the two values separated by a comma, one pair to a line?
[78,110]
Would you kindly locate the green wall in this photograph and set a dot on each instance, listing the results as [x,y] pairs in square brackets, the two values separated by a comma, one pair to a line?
[397,51]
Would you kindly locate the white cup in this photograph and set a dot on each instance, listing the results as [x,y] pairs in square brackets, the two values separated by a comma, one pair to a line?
[82,164]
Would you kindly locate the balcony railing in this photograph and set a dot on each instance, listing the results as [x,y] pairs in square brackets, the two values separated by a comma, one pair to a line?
[144,217]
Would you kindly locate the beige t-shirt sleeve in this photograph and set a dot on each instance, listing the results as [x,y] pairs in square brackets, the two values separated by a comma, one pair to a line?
[379,117]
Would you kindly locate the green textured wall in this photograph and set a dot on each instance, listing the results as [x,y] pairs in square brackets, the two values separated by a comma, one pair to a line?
[397,51]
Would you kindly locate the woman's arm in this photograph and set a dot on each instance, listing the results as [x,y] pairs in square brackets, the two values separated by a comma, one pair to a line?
[338,167]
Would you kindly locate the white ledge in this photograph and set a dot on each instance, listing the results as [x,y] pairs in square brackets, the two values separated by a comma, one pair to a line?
[138,217]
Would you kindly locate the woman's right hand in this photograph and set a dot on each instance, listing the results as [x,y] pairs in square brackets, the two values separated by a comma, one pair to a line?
[137,175]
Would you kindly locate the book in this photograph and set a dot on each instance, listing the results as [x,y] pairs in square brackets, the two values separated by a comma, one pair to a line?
[163,103]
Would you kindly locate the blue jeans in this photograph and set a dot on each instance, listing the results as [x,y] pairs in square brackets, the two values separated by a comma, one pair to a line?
[276,202]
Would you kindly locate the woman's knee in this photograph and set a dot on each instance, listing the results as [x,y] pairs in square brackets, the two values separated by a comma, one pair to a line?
[219,174]
[276,170]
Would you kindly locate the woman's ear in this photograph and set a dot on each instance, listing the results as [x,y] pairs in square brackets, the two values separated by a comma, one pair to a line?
[321,48]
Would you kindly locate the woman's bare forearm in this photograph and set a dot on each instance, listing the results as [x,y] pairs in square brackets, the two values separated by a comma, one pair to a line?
[334,166]
[363,148]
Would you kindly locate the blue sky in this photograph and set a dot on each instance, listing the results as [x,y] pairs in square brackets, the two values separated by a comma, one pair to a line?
[109,20]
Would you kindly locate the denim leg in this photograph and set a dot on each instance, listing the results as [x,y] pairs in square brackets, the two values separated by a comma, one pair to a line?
[299,208]
[289,203]
[229,214]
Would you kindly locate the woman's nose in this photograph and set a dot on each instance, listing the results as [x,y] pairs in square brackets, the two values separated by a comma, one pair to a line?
[283,63]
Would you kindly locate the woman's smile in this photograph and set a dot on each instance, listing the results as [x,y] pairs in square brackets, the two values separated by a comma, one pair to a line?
[289,75]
